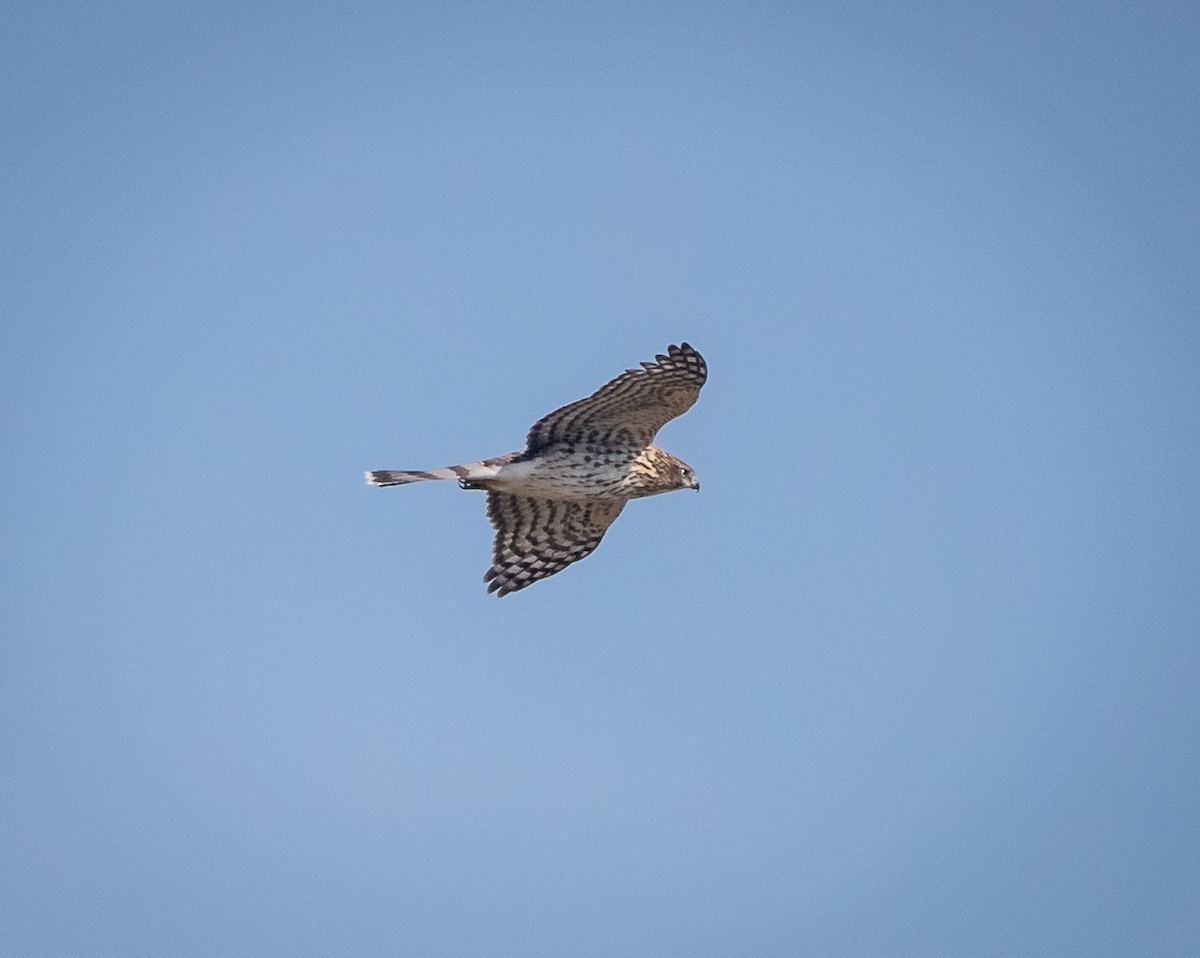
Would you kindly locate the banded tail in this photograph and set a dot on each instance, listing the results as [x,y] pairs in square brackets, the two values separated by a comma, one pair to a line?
[467,473]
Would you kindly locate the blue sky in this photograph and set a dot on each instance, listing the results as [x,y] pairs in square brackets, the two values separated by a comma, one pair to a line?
[914,674]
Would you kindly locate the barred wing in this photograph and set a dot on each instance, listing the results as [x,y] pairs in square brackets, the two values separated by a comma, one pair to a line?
[632,408]
[536,538]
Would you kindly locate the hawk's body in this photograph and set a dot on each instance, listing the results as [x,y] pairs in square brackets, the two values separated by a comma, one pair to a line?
[552,502]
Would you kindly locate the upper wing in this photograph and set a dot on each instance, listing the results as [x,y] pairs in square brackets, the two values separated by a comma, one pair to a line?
[638,402]
[536,538]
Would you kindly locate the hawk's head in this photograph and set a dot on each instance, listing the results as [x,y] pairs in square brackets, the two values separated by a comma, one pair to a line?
[656,471]
[687,478]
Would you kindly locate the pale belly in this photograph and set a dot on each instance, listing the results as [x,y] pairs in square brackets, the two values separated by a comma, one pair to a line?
[568,474]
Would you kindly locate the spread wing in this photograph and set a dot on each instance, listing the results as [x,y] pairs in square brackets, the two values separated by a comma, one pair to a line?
[632,408]
[536,538]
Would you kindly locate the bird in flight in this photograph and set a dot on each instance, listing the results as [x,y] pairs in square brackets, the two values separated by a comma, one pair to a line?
[552,502]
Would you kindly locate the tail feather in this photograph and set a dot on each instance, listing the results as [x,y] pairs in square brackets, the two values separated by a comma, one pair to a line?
[396,477]
[468,472]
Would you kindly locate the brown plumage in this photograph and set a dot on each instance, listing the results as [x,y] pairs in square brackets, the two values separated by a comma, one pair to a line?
[551,503]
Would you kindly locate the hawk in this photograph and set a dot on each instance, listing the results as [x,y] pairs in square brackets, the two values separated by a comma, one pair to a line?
[552,502]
